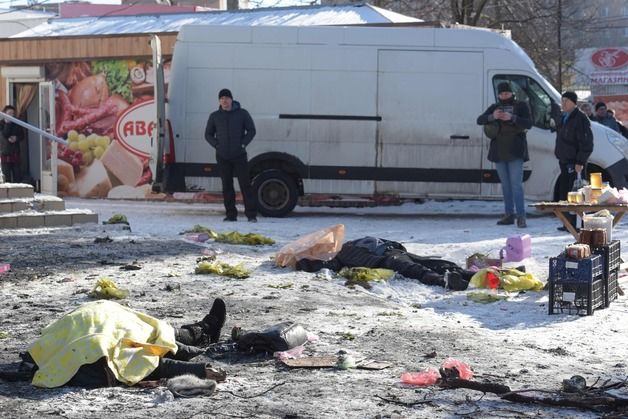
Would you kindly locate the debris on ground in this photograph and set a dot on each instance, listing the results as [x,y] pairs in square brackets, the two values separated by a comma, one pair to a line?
[221,268]
[107,289]
[134,266]
[233,237]
[360,274]
[484,297]
[117,219]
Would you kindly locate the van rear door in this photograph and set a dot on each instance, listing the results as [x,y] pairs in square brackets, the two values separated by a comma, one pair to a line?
[428,139]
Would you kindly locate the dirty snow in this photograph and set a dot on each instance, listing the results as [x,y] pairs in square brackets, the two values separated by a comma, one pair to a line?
[513,342]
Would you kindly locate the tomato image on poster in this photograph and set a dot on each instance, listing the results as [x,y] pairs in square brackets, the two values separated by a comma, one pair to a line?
[92,99]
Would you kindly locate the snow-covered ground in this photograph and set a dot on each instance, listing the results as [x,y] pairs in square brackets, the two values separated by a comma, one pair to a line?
[513,341]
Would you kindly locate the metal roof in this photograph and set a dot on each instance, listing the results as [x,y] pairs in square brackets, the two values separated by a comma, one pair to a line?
[21,14]
[289,16]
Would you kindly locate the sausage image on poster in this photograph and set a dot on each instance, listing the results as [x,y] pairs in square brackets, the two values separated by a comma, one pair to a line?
[92,98]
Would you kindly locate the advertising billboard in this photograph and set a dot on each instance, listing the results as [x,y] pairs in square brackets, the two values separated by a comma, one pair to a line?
[605,72]
[106,111]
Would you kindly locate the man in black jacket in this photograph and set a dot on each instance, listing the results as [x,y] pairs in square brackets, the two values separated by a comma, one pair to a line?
[229,130]
[574,145]
[10,137]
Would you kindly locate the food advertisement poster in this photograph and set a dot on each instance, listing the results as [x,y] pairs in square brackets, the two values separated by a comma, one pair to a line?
[105,110]
[605,72]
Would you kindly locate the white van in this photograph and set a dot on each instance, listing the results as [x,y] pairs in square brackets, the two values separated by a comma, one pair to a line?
[365,110]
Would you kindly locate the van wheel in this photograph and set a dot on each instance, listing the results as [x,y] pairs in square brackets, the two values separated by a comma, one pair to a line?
[276,193]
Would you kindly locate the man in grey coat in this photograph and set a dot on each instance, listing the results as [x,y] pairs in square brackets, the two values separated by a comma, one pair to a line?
[229,130]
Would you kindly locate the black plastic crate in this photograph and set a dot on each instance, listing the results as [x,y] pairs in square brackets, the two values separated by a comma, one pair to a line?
[581,298]
[610,287]
[611,255]
[564,269]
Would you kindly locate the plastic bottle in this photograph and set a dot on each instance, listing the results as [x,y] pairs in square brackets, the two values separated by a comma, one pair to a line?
[579,182]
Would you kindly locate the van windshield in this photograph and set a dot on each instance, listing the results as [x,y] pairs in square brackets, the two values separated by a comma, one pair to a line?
[528,90]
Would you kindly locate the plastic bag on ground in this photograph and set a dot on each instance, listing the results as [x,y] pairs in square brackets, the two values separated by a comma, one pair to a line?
[464,370]
[293,353]
[427,377]
[511,280]
[323,245]
[478,261]
[484,298]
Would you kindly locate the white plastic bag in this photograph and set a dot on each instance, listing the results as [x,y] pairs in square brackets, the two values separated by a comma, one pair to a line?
[320,245]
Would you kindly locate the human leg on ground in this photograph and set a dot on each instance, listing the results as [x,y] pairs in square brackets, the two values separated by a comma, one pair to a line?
[205,331]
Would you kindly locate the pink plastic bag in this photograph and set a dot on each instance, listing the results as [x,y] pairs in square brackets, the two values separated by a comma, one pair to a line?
[463,369]
[424,378]
[293,353]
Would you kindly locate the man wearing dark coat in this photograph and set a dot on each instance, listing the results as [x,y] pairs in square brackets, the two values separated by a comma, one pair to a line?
[11,135]
[574,145]
[229,130]
[505,124]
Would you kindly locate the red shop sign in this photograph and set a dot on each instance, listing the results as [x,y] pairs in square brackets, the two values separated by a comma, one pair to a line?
[610,58]
[134,128]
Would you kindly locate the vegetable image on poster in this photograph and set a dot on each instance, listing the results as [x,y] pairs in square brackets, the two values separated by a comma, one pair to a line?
[105,109]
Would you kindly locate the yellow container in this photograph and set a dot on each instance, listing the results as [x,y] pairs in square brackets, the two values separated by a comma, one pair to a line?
[595,194]
[596,180]
[575,197]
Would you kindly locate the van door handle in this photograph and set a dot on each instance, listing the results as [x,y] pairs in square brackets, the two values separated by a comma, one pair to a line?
[458,137]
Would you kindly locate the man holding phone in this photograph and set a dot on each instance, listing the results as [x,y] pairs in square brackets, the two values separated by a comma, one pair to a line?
[505,123]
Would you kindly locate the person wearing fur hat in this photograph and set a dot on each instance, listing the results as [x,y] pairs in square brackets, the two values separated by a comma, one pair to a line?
[574,145]
[505,123]
[229,130]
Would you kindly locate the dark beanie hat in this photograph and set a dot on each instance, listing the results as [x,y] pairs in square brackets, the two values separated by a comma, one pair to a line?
[504,87]
[599,105]
[225,92]
[571,96]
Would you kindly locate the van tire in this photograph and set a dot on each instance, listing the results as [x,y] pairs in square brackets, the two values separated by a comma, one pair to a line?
[276,193]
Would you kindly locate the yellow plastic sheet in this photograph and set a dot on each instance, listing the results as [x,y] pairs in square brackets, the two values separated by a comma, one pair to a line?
[511,280]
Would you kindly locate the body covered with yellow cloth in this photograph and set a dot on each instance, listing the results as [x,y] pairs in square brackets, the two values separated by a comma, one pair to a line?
[131,342]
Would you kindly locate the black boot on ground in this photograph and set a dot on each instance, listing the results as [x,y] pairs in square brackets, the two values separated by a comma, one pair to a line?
[507,219]
[215,320]
[456,282]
